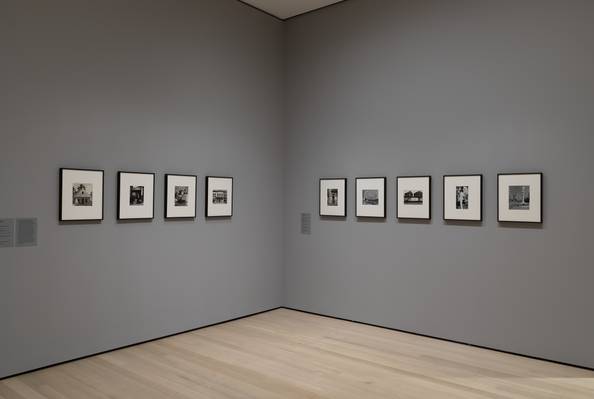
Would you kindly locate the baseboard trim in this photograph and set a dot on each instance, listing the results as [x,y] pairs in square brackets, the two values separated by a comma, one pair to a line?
[444,339]
[137,343]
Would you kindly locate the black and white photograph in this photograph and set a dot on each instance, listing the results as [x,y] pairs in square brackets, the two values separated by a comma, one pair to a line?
[463,197]
[136,193]
[219,197]
[371,197]
[180,196]
[81,195]
[333,197]
[519,197]
[413,197]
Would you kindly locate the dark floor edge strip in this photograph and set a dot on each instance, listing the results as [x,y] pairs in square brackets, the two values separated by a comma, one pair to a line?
[444,339]
[137,343]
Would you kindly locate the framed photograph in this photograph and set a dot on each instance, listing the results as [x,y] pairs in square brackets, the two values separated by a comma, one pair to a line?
[413,197]
[333,197]
[81,194]
[519,197]
[463,197]
[371,197]
[180,196]
[219,196]
[136,196]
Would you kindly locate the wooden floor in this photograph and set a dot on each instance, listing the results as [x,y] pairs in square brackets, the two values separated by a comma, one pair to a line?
[287,354]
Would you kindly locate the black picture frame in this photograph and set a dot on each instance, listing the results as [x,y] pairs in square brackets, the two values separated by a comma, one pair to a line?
[430,207]
[207,189]
[482,179]
[385,186]
[60,190]
[167,176]
[344,214]
[119,210]
[541,183]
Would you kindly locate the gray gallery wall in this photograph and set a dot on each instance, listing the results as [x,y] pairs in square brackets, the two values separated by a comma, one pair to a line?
[384,87]
[184,86]
[370,87]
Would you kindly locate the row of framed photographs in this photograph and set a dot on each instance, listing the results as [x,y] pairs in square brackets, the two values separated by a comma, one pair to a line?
[519,197]
[82,195]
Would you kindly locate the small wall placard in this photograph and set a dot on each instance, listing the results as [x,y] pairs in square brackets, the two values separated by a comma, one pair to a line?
[6,233]
[306,223]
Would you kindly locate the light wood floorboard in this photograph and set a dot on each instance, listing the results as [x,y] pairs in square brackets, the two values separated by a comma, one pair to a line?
[288,354]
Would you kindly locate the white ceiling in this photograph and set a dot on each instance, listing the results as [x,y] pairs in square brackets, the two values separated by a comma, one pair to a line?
[284,9]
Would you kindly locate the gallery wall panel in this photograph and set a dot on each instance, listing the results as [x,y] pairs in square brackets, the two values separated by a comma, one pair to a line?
[187,87]
[399,88]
